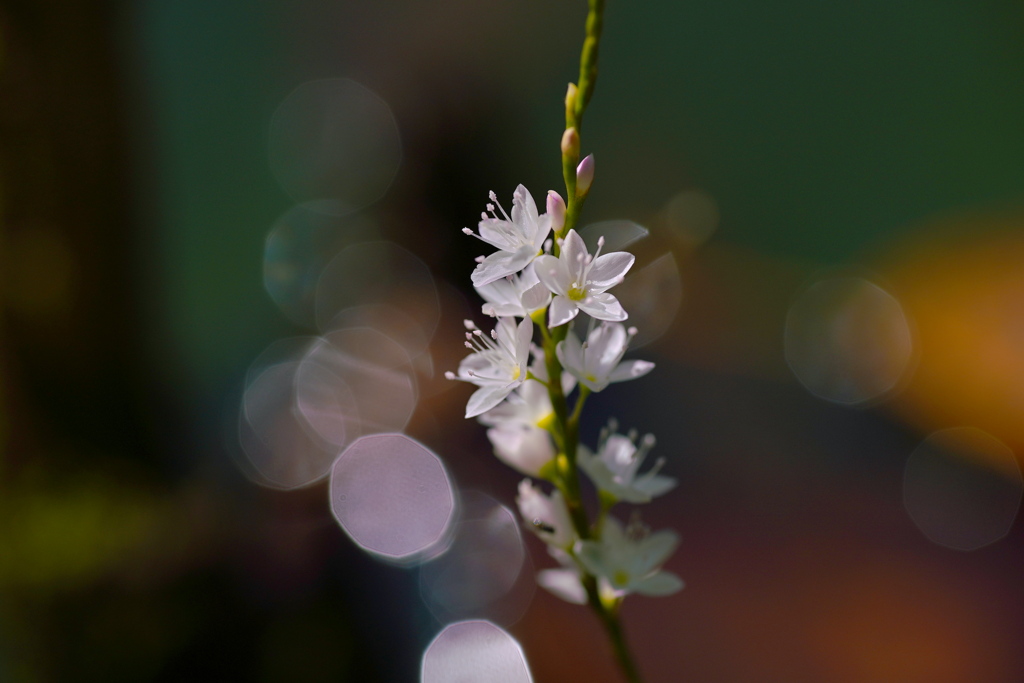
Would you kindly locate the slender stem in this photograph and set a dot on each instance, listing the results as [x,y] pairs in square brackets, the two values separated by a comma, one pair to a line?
[588,60]
[613,626]
[567,426]
[576,106]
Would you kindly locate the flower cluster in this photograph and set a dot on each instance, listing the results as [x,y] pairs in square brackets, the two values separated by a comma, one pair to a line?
[539,280]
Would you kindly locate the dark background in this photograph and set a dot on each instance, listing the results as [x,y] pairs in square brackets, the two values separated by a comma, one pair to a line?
[135,197]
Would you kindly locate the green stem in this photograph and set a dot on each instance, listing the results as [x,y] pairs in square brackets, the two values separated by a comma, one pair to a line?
[578,106]
[588,60]
[613,626]
[566,425]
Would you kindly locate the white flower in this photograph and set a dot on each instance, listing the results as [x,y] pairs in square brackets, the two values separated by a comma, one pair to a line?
[595,363]
[519,238]
[579,280]
[564,582]
[518,295]
[518,431]
[614,469]
[547,516]
[498,365]
[630,561]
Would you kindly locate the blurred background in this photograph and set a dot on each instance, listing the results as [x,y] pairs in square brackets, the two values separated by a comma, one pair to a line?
[230,244]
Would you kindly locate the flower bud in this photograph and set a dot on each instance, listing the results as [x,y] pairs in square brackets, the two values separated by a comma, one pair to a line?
[584,176]
[571,143]
[570,102]
[556,209]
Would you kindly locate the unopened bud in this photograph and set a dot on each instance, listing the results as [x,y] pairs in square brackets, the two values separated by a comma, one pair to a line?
[556,209]
[584,176]
[571,143]
[570,102]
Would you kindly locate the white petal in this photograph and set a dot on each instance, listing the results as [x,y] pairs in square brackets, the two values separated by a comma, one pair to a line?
[562,311]
[541,233]
[609,269]
[526,449]
[599,474]
[499,291]
[590,556]
[499,233]
[568,383]
[654,486]
[524,335]
[507,412]
[662,583]
[547,270]
[603,306]
[486,397]
[535,297]
[501,264]
[612,533]
[550,511]
[654,550]
[538,402]
[473,367]
[593,382]
[570,353]
[505,332]
[501,310]
[528,278]
[630,494]
[630,369]
[524,211]
[565,583]
[605,347]
[574,255]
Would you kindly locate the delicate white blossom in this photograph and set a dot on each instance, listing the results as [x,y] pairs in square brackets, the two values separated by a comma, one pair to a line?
[519,238]
[518,295]
[579,280]
[517,428]
[630,560]
[547,516]
[596,362]
[615,468]
[519,424]
[498,364]
[564,582]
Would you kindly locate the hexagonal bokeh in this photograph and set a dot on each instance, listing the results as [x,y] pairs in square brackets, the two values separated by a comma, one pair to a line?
[475,651]
[393,497]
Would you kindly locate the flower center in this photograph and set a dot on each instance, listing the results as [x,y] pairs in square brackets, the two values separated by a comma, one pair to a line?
[620,578]
[577,293]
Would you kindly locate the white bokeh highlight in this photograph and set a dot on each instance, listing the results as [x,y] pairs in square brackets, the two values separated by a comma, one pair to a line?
[334,145]
[692,217]
[474,652]
[298,248]
[393,497]
[378,273]
[279,451]
[618,235]
[962,487]
[652,295]
[355,381]
[484,573]
[847,340]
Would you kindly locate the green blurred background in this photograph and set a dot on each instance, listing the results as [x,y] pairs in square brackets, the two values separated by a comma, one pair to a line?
[135,199]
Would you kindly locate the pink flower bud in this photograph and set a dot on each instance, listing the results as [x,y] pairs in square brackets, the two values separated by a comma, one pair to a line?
[584,176]
[556,209]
